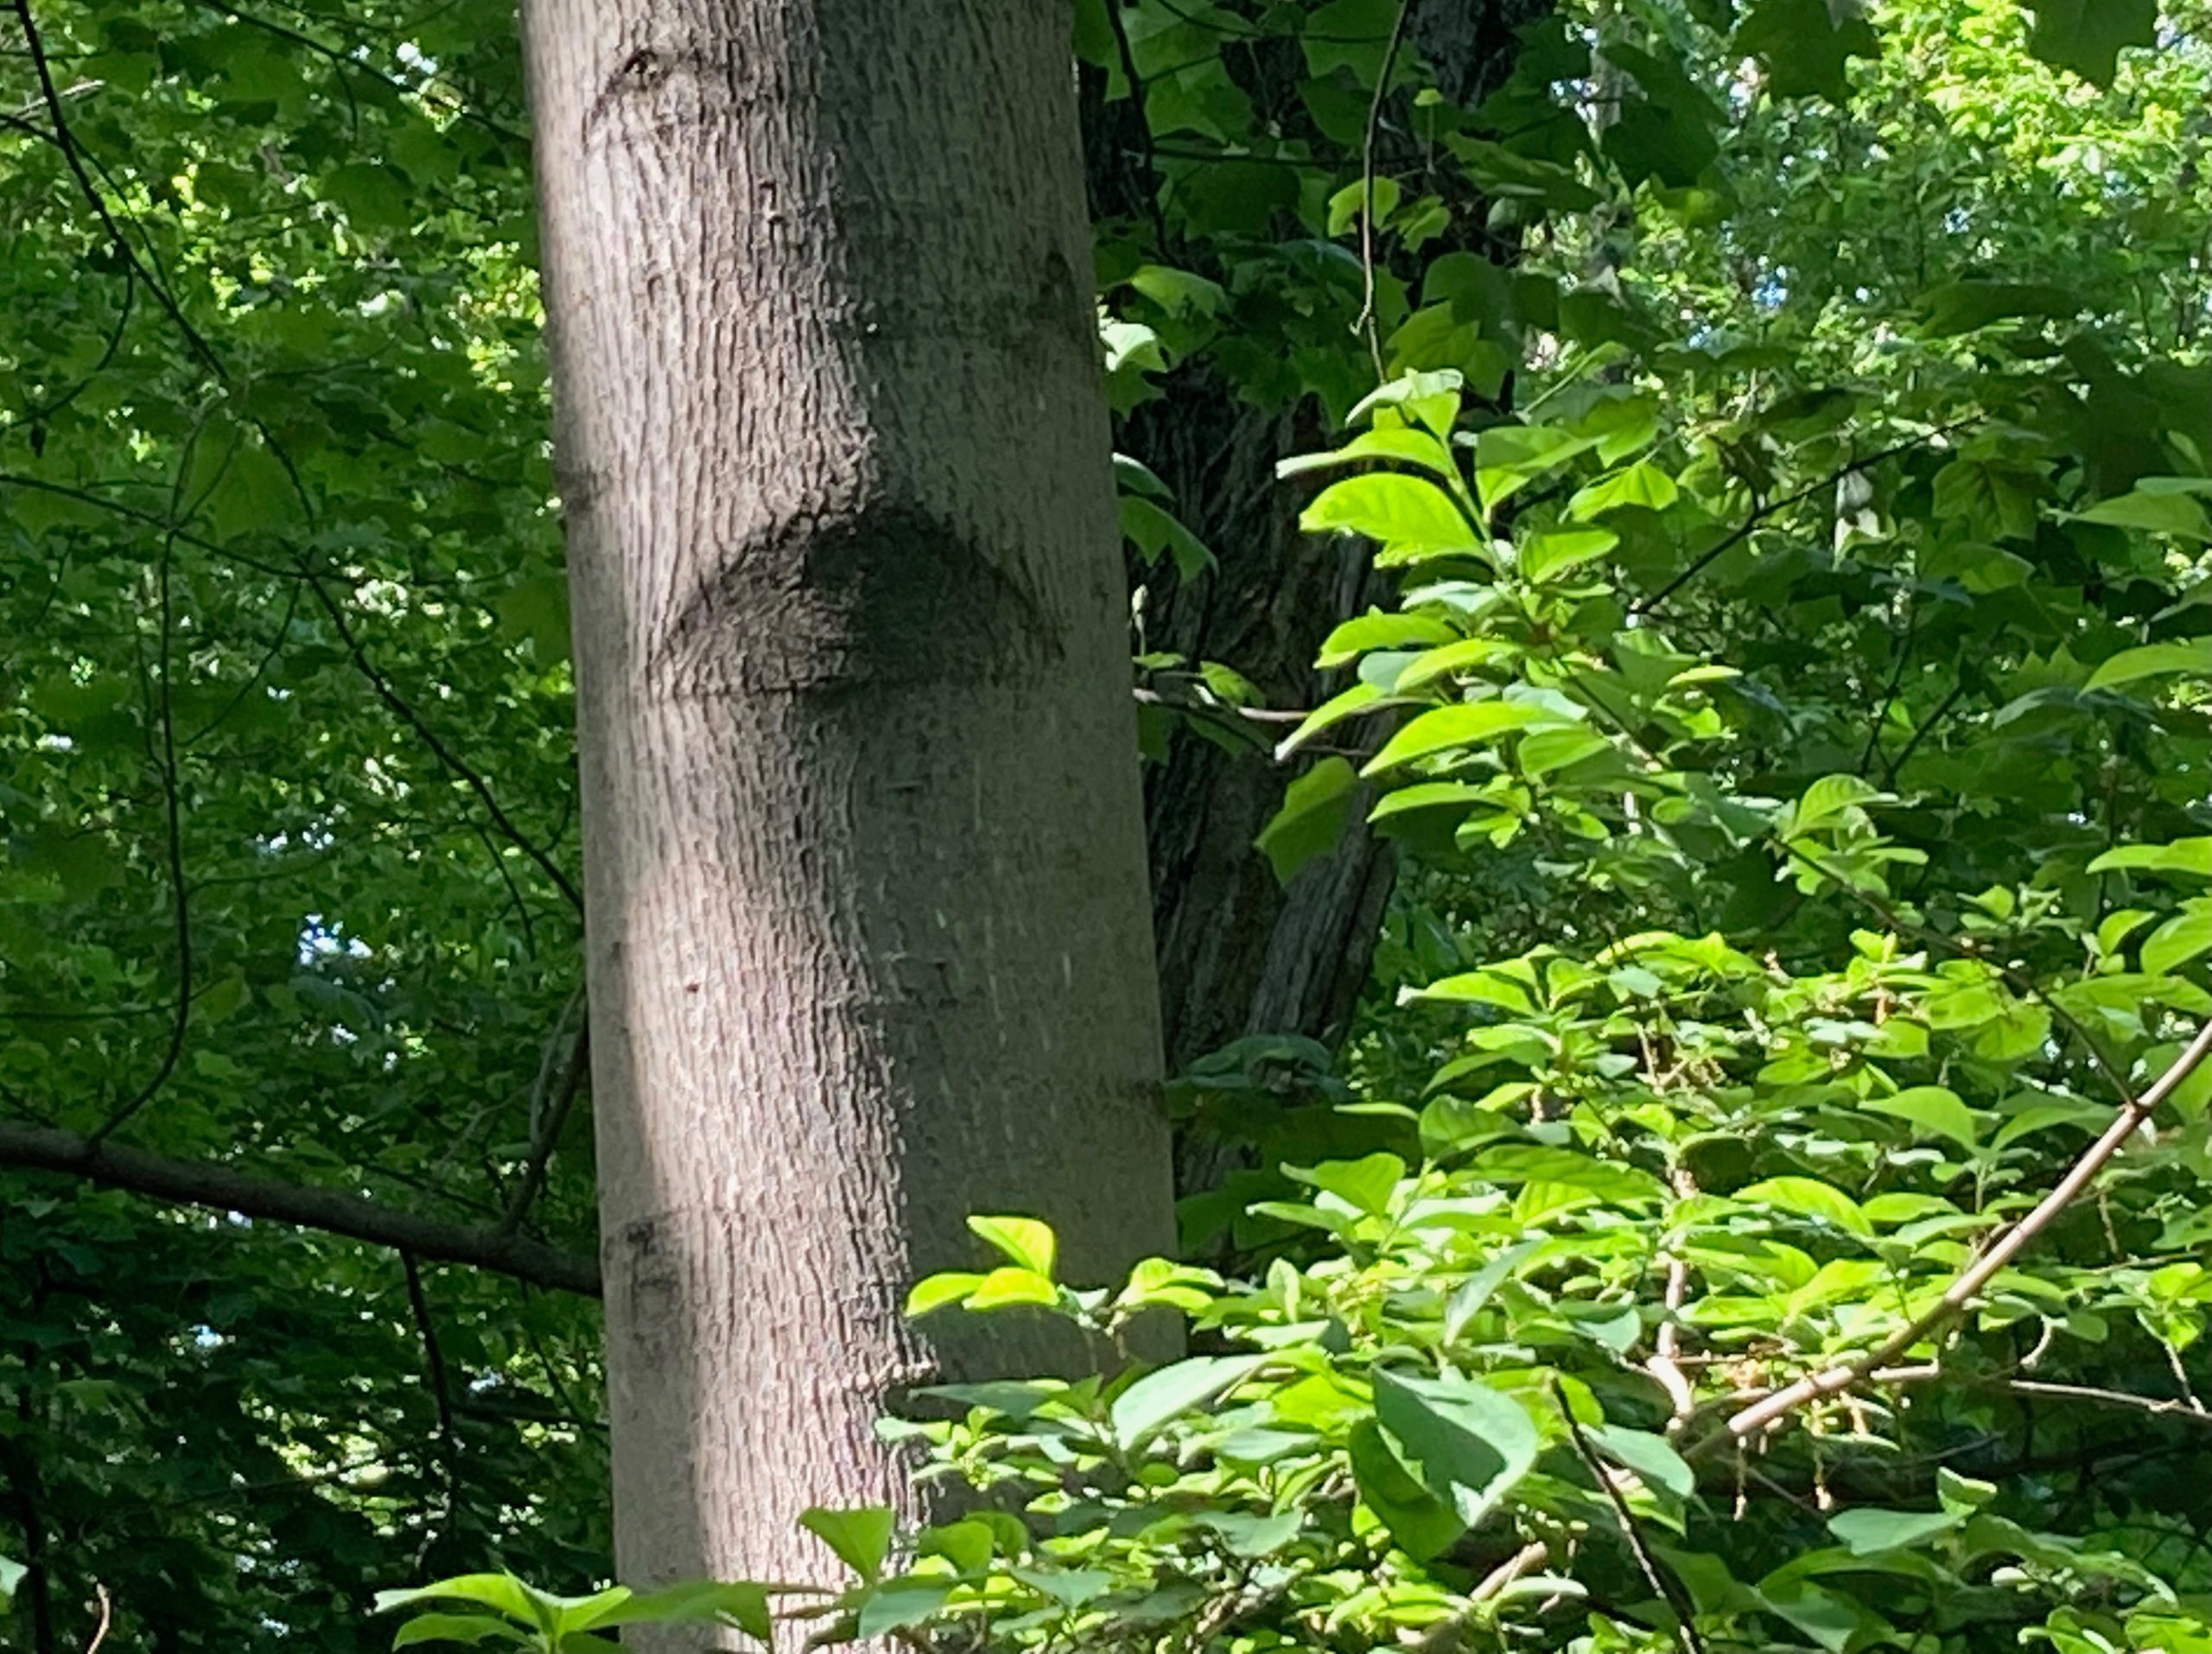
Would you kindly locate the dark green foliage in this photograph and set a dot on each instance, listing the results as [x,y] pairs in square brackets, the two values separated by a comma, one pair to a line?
[1791,481]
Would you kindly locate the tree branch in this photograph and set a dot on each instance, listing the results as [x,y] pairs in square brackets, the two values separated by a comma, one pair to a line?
[1766,509]
[1662,1587]
[1365,321]
[220,1188]
[1849,1375]
[549,1119]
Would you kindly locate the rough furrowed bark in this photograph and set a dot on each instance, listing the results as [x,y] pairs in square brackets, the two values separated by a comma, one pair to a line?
[864,856]
[1238,953]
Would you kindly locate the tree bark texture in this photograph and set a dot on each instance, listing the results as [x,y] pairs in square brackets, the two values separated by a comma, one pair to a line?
[864,853]
[1238,954]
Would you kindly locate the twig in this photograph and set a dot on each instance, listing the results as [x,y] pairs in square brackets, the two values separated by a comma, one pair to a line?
[1226,709]
[547,1123]
[1443,1636]
[1767,508]
[1365,321]
[45,411]
[1667,1591]
[51,95]
[2098,1397]
[1891,767]
[334,1211]
[1835,1381]
[443,753]
[1120,25]
[434,1359]
[106,1618]
[1665,1365]
[173,803]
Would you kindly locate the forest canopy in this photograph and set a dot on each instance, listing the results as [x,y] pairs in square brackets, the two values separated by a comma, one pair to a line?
[1671,622]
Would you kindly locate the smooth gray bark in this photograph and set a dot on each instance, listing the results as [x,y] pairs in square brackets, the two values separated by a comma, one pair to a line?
[864,844]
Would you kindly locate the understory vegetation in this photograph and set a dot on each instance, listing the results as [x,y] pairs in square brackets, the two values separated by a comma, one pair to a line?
[1757,1202]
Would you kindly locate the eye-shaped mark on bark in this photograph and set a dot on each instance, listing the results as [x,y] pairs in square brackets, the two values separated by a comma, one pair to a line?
[654,91]
[645,1275]
[879,594]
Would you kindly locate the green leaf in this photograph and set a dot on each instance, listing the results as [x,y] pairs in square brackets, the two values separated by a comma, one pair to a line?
[583,1613]
[1348,704]
[1651,1457]
[1542,751]
[1868,1532]
[2017,1032]
[897,1603]
[738,1603]
[1967,306]
[1807,46]
[1471,1444]
[2189,858]
[1808,1197]
[1608,1180]
[1545,555]
[1643,484]
[1152,530]
[2086,36]
[2152,513]
[2154,660]
[860,1536]
[935,1291]
[1316,808]
[1366,1184]
[1012,1286]
[1467,1299]
[1432,397]
[1409,518]
[468,1629]
[1180,292]
[1379,630]
[502,1591]
[1933,1108]
[1028,1242]
[1509,457]
[1452,727]
[1450,660]
[1167,1394]
[2184,937]
[1827,798]
[1422,1524]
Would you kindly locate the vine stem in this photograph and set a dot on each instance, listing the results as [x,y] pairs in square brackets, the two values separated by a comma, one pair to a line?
[1364,322]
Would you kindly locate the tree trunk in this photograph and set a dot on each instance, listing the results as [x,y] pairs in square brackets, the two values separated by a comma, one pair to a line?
[864,852]
[1240,954]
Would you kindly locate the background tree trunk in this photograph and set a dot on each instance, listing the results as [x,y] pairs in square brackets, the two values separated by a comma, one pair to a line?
[1239,954]
[864,856]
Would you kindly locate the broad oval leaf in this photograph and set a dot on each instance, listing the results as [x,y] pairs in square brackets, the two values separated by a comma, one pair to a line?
[1450,728]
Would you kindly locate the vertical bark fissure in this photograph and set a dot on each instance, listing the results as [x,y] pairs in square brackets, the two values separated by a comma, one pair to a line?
[1237,954]
[864,863]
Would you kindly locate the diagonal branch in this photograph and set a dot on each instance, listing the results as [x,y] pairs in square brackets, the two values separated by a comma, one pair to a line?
[1849,1375]
[1764,509]
[1662,1587]
[470,777]
[220,1188]
[548,1121]
[1365,323]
